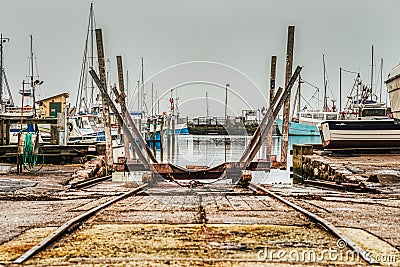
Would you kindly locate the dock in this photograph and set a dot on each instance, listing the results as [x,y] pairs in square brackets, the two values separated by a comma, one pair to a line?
[373,171]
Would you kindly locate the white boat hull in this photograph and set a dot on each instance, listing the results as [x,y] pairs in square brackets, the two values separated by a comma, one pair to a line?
[360,134]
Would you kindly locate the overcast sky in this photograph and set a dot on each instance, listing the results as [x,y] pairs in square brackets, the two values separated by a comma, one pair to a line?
[222,41]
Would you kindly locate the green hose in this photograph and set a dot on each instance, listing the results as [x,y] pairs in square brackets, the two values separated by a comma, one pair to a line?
[29,157]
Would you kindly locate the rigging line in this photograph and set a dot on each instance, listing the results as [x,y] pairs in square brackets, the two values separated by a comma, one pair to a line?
[308,103]
[327,81]
[315,93]
[8,88]
[317,99]
[349,71]
[132,94]
[349,100]
[304,81]
[83,71]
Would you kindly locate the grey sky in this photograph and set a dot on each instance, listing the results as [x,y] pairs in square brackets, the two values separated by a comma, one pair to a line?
[240,34]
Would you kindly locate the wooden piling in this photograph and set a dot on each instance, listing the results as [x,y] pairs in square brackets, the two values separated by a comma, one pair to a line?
[105,106]
[161,138]
[286,107]
[122,103]
[298,152]
[148,130]
[271,97]
[154,134]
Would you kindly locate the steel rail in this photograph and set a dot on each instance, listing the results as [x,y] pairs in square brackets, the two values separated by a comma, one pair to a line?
[63,228]
[366,256]
[89,182]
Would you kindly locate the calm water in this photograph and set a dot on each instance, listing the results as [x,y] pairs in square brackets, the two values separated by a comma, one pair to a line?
[214,150]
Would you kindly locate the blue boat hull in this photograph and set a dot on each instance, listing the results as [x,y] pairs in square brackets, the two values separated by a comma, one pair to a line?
[299,129]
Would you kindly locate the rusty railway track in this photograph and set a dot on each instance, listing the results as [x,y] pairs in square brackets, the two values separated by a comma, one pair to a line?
[89,182]
[208,205]
[74,221]
[327,225]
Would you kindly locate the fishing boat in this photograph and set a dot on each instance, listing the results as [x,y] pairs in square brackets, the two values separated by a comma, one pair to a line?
[246,124]
[27,110]
[393,88]
[355,134]
[366,122]
[306,121]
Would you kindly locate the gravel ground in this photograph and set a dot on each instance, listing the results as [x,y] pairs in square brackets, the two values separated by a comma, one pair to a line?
[165,226]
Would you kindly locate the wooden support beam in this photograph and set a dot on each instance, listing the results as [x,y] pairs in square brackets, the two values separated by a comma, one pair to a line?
[272,117]
[125,125]
[260,127]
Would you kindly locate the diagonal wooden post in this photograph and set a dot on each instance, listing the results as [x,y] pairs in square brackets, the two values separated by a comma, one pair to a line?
[125,124]
[272,117]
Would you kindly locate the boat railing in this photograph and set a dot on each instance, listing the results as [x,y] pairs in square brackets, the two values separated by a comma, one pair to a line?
[19,109]
[218,121]
[319,115]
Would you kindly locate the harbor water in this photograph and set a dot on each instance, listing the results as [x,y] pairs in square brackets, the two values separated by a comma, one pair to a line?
[212,150]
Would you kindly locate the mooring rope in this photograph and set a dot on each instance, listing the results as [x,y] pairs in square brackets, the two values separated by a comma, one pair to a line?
[29,156]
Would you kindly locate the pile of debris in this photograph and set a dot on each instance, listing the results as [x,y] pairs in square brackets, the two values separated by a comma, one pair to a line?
[95,167]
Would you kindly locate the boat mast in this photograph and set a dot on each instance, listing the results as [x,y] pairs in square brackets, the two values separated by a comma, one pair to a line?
[142,88]
[299,96]
[207,112]
[1,71]
[138,97]
[380,92]
[340,89]
[82,102]
[325,84]
[158,103]
[226,103]
[372,68]
[152,100]
[32,83]
[91,66]
[127,87]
